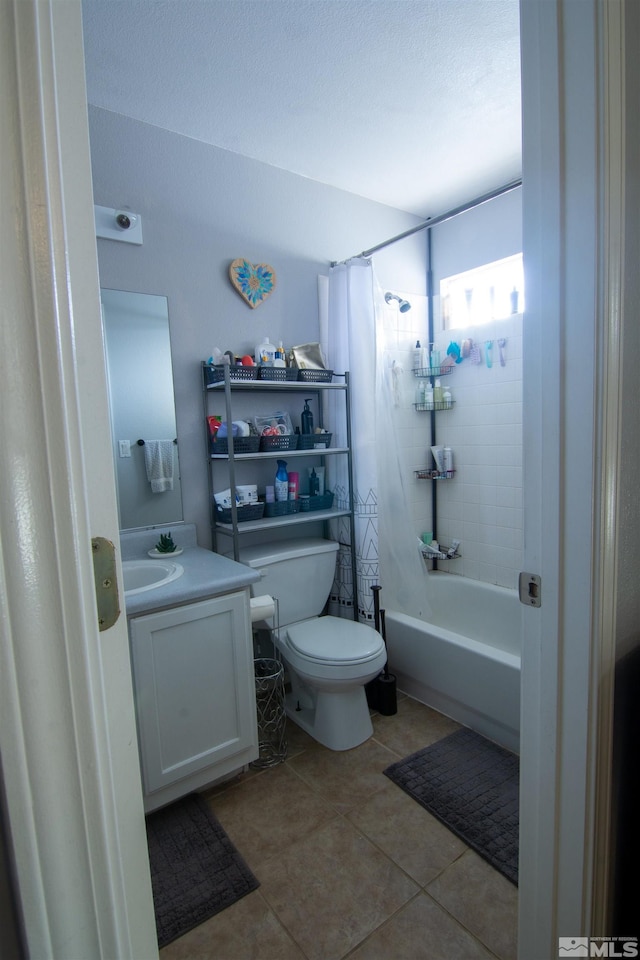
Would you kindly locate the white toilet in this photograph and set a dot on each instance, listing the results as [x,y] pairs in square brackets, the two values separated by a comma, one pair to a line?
[328,659]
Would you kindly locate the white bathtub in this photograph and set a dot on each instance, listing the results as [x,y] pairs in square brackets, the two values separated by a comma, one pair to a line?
[465,662]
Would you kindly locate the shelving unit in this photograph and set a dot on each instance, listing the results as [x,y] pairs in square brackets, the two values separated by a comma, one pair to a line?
[236,463]
[433,373]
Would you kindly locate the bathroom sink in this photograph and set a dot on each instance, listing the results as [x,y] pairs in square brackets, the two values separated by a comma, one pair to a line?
[140,575]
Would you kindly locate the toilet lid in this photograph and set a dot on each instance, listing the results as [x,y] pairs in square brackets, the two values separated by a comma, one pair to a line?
[334,640]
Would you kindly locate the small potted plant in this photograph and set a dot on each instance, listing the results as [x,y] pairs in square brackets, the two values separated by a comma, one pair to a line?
[165,544]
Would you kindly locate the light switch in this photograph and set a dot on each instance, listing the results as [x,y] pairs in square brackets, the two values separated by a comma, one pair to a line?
[124,448]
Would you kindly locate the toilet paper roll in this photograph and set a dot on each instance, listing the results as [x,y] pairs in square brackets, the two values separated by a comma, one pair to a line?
[262,608]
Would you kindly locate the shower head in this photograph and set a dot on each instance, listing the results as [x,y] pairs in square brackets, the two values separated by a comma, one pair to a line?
[403,305]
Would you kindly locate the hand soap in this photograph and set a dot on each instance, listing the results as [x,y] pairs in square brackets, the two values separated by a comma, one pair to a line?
[306,418]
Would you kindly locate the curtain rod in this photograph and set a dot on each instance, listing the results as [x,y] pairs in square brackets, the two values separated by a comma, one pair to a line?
[432,222]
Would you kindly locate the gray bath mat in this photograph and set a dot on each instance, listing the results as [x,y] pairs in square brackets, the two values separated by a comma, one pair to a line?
[470,785]
[195,869]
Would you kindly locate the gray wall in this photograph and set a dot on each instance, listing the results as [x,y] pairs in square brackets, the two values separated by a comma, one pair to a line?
[201,208]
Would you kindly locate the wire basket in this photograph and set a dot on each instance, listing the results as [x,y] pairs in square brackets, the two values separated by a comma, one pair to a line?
[214,373]
[315,376]
[246,511]
[322,501]
[281,509]
[278,373]
[313,441]
[280,442]
[240,445]
[271,716]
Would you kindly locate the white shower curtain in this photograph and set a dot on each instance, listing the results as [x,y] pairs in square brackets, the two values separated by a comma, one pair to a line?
[359,338]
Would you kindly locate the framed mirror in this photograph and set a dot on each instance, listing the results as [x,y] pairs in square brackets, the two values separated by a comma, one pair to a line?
[140,376]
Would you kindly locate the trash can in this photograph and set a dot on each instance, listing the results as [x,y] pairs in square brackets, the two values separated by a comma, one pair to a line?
[272,738]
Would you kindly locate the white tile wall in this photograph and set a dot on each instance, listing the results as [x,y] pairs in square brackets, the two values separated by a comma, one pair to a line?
[482,506]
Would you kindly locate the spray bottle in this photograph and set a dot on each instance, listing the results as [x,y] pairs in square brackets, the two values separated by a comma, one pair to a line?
[282,482]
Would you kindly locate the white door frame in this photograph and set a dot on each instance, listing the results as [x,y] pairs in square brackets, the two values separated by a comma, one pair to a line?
[73,798]
[69,751]
[573,110]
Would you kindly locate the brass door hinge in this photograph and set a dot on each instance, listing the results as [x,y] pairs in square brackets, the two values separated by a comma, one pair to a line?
[106,582]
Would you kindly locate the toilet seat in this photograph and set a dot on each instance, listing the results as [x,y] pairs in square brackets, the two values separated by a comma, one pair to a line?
[331,640]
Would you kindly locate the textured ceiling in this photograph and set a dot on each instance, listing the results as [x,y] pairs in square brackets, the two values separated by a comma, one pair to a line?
[414,103]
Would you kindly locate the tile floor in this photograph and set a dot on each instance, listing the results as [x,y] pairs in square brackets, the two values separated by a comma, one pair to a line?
[349,865]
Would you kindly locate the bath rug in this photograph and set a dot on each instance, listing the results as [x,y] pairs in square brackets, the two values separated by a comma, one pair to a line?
[471,785]
[195,869]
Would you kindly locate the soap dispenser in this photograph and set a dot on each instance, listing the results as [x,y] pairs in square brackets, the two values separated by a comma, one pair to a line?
[306,418]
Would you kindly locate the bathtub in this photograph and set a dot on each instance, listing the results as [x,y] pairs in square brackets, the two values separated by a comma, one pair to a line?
[464,662]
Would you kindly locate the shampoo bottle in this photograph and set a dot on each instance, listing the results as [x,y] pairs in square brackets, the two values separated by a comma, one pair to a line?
[446,397]
[420,392]
[417,356]
[282,482]
[428,396]
[306,418]
[437,392]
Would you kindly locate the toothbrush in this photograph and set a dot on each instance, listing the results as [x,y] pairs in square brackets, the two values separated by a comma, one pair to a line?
[488,348]
[501,344]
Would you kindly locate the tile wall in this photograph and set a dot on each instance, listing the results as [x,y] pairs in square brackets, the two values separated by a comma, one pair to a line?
[482,506]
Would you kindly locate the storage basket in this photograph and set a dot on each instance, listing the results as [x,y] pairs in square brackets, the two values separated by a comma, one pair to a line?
[240,445]
[214,373]
[281,509]
[248,511]
[312,441]
[322,501]
[315,376]
[280,442]
[278,373]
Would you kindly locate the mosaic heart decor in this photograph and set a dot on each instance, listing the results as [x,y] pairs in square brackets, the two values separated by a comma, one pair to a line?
[253,281]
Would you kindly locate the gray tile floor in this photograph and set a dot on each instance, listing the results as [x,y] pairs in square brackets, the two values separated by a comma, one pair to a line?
[349,865]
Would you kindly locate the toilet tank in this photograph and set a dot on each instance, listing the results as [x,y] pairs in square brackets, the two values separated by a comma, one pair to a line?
[298,572]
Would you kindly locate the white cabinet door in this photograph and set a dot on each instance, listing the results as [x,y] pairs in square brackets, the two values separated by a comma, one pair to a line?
[194,692]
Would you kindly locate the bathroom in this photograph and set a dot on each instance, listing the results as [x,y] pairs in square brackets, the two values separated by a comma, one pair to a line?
[211,250]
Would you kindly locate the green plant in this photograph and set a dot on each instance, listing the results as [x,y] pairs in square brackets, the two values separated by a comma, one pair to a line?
[165,544]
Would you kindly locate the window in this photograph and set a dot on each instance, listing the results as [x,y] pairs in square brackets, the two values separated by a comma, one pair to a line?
[486,293]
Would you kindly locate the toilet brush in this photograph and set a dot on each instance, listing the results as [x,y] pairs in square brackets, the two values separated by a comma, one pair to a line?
[371,688]
[387,698]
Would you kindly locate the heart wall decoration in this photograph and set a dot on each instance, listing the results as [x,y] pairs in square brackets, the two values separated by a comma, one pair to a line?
[253,281]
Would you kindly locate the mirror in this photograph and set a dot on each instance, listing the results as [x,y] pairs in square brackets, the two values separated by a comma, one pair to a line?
[140,376]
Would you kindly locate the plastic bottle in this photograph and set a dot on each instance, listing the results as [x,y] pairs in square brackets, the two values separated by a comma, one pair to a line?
[306,418]
[428,396]
[434,359]
[447,455]
[424,358]
[282,482]
[447,399]
[314,484]
[420,392]
[265,352]
[417,356]
[294,485]
[437,392]
[280,354]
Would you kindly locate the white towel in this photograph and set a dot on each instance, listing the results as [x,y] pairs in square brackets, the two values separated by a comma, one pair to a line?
[158,459]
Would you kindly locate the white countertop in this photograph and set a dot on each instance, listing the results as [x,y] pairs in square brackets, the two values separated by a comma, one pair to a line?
[206,574]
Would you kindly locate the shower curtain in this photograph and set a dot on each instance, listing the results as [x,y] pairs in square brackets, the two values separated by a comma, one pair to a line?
[359,335]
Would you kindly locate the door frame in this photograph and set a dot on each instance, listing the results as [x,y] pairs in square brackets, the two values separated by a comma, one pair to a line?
[573,173]
[71,779]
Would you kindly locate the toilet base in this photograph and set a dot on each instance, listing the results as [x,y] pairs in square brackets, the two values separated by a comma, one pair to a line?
[339,721]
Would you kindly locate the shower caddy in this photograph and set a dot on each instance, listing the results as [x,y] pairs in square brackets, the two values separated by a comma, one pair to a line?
[241,454]
[433,373]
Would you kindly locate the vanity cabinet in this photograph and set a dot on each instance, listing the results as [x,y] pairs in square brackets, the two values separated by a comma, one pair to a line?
[234,396]
[194,693]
